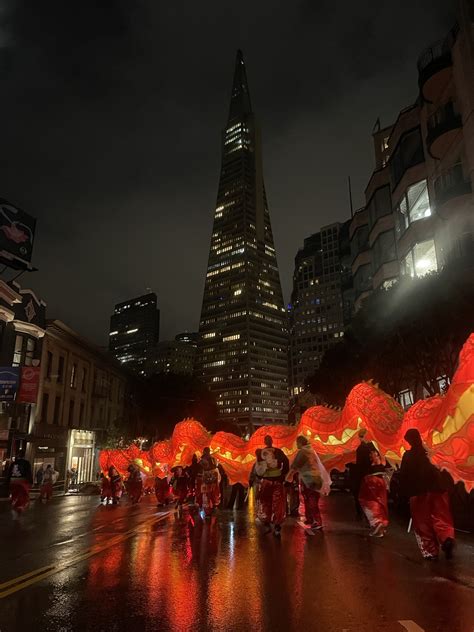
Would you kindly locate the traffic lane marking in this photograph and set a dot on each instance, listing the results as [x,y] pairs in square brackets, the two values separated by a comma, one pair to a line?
[16,584]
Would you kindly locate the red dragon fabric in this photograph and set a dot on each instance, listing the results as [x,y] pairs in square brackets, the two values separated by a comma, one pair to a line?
[446,423]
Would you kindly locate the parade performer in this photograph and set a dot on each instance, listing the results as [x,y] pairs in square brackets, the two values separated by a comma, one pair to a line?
[105,489]
[20,477]
[116,485]
[207,484]
[373,494]
[192,472]
[421,481]
[46,489]
[179,483]
[272,467]
[134,483]
[162,487]
[314,479]
[361,468]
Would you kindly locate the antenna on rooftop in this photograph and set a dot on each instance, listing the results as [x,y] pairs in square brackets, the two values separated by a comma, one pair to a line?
[350,195]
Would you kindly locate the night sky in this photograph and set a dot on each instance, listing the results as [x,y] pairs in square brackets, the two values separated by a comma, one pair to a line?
[111,113]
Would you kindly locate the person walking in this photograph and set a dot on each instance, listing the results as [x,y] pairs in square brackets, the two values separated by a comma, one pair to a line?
[420,481]
[162,490]
[373,496]
[314,479]
[272,467]
[134,483]
[193,471]
[238,494]
[361,468]
[46,489]
[20,479]
[207,485]
[179,484]
[116,485]
[105,491]
[39,475]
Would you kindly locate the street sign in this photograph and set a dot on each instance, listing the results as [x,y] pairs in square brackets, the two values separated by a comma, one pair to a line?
[9,380]
[29,384]
[17,230]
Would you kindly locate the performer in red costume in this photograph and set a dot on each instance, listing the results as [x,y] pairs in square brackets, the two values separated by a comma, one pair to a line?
[116,485]
[421,481]
[179,484]
[162,488]
[207,483]
[134,484]
[105,490]
[20,478]
[314,481]
[272,467]
[373,495]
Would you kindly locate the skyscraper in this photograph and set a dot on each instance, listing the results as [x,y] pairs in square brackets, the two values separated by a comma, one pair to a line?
[134,331]
[321,300]
[243,349]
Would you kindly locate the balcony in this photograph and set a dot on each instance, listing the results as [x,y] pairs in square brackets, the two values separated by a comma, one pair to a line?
[442,127]
[434,67]
[450,185]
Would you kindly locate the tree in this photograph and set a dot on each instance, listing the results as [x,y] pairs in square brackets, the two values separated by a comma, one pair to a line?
[168,398]
[404,337]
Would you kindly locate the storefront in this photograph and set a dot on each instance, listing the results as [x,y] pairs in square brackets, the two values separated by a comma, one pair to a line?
[81,456]
[48,446]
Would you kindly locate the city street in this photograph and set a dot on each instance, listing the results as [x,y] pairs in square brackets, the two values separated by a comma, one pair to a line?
[74,565]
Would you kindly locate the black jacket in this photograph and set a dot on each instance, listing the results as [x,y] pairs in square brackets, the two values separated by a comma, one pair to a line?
[418,475]
[363,458]
[20,468]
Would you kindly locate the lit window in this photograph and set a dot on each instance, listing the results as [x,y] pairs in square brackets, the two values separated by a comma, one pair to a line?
[420,260]
[418,201]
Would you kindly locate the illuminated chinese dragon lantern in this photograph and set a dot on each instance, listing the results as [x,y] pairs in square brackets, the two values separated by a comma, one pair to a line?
[446,423]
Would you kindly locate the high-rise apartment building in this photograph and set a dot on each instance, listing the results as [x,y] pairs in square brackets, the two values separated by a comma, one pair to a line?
[134,331]
[321,301]
[419,211]
[242,354]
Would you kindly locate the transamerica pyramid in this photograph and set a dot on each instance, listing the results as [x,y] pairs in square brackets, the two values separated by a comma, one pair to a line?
[243,349]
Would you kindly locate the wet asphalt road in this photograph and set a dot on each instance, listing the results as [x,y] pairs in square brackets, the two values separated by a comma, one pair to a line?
[72,565]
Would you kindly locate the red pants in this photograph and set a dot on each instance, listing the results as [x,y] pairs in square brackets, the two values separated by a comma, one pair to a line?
[272,499]
[162,490]
[20,493]
[105,490]
[432,521]
[135,490]
[373,500]
[181,494]
[311,504]
[116,491]
[46,491]
[207,496]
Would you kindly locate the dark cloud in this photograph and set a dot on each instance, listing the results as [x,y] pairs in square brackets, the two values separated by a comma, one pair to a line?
[111,114]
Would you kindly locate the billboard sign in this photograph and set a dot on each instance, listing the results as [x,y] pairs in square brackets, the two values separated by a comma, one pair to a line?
[29,384]
[17,230]
[9,379]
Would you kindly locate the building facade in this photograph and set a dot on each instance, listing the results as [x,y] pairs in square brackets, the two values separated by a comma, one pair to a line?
[242,354]
[419,211]
[321,301]
[174,356]
[22,330]
[84,395]
[134,331]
